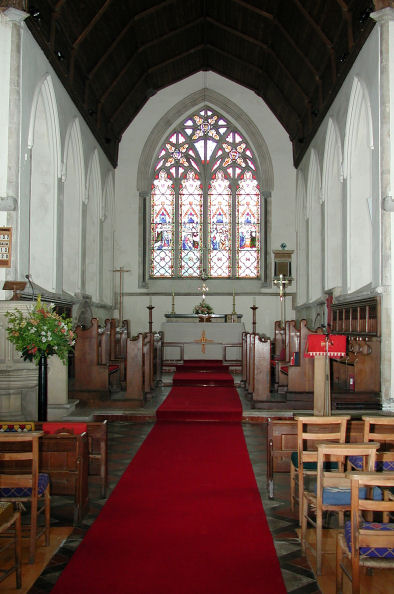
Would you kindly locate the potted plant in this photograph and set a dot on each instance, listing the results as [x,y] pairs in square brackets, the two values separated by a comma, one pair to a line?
[203,309]
[37,335]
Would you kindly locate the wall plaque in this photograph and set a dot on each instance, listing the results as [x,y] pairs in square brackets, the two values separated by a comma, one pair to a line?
[5,247]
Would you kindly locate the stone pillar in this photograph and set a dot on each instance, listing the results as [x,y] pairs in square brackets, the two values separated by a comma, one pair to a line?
[385,21]
[19,378]
[12,16]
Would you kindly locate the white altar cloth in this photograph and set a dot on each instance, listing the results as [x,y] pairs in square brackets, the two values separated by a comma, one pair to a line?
[190,340]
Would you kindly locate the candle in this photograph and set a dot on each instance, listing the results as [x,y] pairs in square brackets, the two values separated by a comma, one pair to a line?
[150,300]
[254,301]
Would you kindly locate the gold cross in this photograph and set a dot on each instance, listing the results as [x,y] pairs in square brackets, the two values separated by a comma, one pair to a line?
[203,340]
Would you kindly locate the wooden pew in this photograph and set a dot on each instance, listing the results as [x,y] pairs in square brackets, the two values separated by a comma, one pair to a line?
[65,458]
[90,373]
[112,346]
[134,368]
[256,365]
[301,375]
[97,432]
[296,373]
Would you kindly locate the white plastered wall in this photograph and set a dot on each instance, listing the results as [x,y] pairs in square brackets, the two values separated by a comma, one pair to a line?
[335,186]
[128,232]
[35,68]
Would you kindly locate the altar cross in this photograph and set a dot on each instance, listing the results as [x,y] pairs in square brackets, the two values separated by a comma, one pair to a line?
[203,341]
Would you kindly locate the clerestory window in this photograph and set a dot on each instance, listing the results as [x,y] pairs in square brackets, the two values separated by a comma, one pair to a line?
[205,203]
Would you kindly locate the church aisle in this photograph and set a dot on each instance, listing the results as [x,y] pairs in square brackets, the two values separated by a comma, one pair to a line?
[125,439]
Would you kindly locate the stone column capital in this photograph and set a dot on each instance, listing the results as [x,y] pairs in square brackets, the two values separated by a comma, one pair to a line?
[383,15]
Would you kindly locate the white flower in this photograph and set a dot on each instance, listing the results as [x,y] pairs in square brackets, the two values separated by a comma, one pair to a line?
[44,339]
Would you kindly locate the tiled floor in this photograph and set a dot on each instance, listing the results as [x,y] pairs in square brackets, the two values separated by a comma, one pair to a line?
[124,440]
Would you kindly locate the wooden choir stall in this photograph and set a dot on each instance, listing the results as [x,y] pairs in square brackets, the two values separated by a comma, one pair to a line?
[107,361]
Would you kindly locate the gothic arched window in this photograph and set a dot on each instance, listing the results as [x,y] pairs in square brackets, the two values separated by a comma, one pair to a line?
[205,203]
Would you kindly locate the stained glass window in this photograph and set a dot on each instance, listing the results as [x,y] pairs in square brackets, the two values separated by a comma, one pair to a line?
[205,202]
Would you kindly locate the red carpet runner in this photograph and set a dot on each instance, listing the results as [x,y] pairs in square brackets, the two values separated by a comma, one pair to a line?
[185,518]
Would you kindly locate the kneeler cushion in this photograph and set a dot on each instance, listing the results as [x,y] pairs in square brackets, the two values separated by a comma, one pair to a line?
[380,552]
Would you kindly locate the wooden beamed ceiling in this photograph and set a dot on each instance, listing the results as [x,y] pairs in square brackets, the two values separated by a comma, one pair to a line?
[113,55]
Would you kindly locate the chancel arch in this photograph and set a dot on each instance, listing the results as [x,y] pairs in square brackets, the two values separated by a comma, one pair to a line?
[332,196]
[314,213]
[302,238]
[74,186]
[44,142]
[358,174]
[231,170]
[92,227]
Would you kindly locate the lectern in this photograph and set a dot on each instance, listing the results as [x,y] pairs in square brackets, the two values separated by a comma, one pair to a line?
[322,347]
[14,286]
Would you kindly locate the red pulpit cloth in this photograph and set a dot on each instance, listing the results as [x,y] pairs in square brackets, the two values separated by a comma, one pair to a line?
[316,345]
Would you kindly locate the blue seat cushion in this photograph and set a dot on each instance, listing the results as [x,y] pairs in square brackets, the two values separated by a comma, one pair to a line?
[342,496]
[43,482]
[381,552]
[357,462]
[312,465]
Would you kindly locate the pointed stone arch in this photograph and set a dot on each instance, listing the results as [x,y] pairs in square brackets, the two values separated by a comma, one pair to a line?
[73,195]
[358,174]
[107,238]
[92,227]
[314,215]
[332,197]
[183,108]
[44,143]
[301,231]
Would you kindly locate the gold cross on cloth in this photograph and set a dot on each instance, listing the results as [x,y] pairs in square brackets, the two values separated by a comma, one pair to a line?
[203,340]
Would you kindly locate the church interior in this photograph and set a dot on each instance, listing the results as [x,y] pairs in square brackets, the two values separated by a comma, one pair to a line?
[196,234]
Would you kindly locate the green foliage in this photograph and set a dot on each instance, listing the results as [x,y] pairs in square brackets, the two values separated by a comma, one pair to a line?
[203,308]
[40,331]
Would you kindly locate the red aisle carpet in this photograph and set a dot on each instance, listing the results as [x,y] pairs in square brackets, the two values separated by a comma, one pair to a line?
[185,518]
[194,403]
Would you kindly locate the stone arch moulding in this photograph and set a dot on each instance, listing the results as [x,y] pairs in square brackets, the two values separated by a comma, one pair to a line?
[46,90]
[183,108]
[358,121]
[108,197]
[93,182]
[72,204]
[313,182]
[74,143]
[332,147]
[332,179]
[359,95]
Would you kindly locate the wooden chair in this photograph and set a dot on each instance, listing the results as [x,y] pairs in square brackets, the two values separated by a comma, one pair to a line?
[311,431]
[332,488]
[10,527]
[21,482]
[379,429]
[365,544]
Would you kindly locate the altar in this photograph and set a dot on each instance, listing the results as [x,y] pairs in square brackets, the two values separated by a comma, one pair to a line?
[185,340]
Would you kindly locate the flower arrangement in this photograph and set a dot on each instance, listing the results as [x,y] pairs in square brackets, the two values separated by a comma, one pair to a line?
[203,309]
[41,331]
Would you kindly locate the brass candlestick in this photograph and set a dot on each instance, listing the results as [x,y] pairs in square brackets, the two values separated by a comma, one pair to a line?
[254,308]
[150,308]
